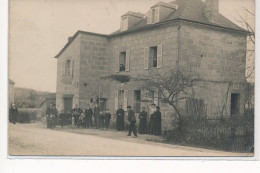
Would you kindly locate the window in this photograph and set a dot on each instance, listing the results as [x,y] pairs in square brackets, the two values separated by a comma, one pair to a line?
[124,23]
[121,98]
[122,61]
[137,101]
[153,56]
[67,68]
[155,15]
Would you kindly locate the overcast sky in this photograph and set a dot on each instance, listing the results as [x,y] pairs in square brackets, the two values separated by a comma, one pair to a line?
[39,29]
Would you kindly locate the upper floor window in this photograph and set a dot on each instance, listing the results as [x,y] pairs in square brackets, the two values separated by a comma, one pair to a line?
[153,57]
[67,68]
[153,15]
[124,23]
[122,62]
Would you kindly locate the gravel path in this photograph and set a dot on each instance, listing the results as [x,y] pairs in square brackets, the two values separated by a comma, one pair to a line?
[35,139]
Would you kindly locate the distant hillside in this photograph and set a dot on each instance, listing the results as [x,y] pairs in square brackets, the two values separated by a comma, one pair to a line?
[25,97]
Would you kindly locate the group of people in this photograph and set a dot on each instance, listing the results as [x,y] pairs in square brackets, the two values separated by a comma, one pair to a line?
[83,118]
[78,117]
[153,126]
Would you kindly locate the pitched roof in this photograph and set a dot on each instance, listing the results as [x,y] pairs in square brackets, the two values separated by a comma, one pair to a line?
[169,5]
[134,14]
[188,10]
[73,38]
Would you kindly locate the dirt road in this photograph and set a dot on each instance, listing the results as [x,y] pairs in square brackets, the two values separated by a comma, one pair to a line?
[34,139]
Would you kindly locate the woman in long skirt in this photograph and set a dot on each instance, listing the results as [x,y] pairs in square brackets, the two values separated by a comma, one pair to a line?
[142,121]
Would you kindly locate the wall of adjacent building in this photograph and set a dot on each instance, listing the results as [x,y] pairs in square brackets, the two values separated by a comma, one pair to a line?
[93,65]
[68,85]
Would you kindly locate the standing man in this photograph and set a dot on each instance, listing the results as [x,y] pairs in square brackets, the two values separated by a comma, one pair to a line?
[55,117]
[142,121]
[76,113]
[13,113]
[88,117]
[132,121]
[107,118]
[62,118]
[96,115]
[120,114]
[49,115]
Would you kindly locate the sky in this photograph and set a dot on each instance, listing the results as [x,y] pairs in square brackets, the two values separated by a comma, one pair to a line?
[39,29]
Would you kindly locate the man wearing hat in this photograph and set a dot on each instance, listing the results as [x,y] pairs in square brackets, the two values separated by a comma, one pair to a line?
[132,121]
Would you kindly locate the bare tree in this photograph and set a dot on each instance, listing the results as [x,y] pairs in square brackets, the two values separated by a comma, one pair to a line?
[172,87]
[245,23]
[250,63]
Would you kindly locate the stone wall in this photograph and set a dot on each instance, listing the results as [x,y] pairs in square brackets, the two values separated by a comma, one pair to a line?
[218,57]
[68,84]
[93,65]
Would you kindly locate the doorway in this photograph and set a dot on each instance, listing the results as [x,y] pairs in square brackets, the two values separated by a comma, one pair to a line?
[234,104]
[67,104]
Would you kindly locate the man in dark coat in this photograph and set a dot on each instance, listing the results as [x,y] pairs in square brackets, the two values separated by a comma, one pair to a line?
[142,121]
[13,113]
[120,114]
[157,121]
[132,121]
[76,114]
[50,116]
[62,118]
[96,115]
[107,119]
[88,117]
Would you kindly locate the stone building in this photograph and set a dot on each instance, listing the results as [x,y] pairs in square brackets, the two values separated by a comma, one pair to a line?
[183,34]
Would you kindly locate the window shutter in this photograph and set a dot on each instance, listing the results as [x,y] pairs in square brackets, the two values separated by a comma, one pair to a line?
[149,21]
[146,58]
[159,56]
[63,69]
[71,68]
[117,62]
[127,63]
[156,15]
[116,100]
[125,98]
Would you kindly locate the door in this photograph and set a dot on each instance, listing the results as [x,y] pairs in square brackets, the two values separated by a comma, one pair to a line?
[67,104]
[234,104]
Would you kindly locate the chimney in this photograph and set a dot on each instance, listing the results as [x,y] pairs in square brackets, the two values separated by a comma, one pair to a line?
[69,39]
[211,10]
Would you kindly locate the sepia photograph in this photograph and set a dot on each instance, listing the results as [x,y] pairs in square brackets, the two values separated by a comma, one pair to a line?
[132,78]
